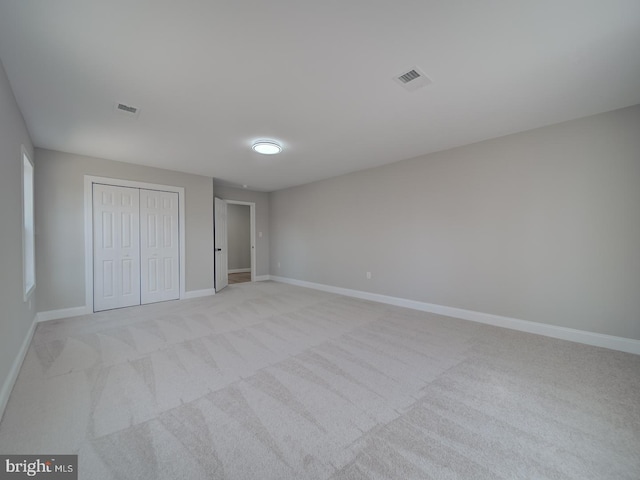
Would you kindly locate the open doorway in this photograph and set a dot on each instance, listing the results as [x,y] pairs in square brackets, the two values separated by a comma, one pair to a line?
[234,232]
[238,243]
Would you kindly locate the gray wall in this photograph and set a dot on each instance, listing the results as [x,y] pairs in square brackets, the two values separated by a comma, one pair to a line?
[60,223]
[15,315]
[261,200]
[239,236]
[542,226]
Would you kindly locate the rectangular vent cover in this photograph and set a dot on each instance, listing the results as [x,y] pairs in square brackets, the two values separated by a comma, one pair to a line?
[127,110]
[407,77]
[413,79]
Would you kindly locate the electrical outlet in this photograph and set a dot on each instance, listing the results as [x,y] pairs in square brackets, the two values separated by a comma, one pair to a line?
[368,275]
[278,264]
[259,234]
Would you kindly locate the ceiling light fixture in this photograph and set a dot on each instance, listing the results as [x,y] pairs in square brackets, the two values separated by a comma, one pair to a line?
[266,147]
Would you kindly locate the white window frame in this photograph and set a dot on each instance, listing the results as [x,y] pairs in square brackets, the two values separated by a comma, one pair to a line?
[28,226]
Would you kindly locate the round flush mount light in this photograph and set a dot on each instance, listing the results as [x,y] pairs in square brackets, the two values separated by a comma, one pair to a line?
[266,147]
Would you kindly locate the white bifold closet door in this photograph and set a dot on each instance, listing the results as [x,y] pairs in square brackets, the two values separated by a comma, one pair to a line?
[116,247]
[135,238]
[159,246]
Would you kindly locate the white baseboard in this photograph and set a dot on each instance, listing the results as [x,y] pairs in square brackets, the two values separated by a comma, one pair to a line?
[622,344]
[78,311]
[239,270]
[62,313]
[199,293]
[262,278]
[9,382]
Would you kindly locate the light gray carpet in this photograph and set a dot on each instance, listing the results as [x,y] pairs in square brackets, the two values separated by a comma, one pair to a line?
[270,381]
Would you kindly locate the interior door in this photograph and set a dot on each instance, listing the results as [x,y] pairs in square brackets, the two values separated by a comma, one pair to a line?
[159,252]
[220,241]
[116,240]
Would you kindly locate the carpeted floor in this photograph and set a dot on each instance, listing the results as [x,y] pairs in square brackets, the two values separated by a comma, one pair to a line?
[270,381]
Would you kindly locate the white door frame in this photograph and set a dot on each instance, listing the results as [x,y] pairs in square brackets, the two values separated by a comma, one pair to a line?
[252,221]
[89,180]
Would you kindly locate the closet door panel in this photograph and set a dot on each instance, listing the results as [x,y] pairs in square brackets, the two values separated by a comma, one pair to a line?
[116,245]
[159,248]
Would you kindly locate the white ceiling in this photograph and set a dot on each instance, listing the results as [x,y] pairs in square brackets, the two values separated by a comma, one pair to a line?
[210,77]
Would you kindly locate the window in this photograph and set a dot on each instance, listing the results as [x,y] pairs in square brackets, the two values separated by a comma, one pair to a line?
[28,231]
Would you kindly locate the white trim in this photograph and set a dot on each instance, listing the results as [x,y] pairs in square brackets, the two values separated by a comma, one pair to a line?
[252,222]
[28,289]
[62,313]
[199,293]
[262,278]
[89,180]
[622,344]
[239,270]
[10,381]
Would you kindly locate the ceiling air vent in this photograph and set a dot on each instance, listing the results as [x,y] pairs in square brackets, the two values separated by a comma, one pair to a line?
[407,77]
[413,79]
[127,110]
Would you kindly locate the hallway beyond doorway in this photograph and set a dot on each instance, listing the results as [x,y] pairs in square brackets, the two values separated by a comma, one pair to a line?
[241,277]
